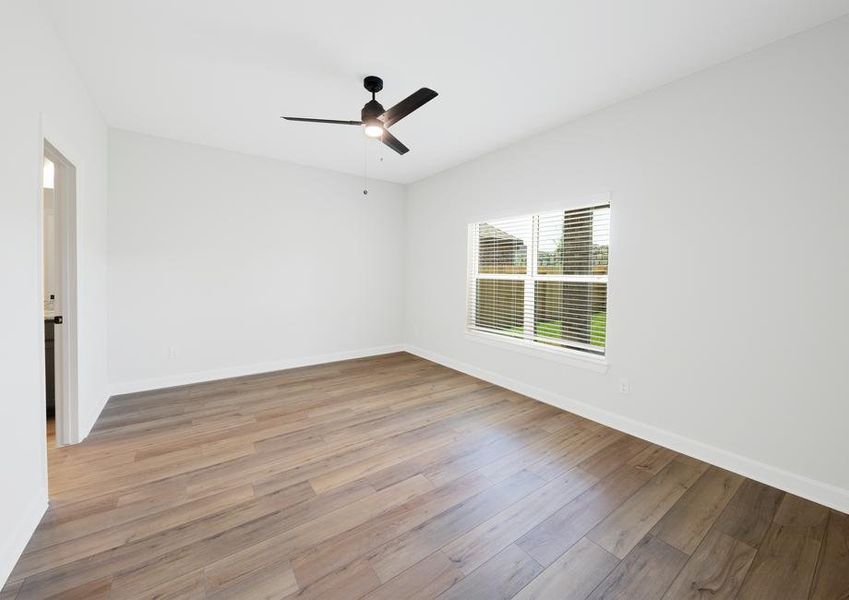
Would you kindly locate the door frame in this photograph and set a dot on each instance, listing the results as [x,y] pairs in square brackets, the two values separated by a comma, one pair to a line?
[65,193]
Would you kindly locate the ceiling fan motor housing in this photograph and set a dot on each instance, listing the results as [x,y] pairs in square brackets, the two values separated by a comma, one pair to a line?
[371,111]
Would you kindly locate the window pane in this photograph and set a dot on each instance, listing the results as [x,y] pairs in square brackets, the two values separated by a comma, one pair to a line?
[567,305]
[503,246]
[500,305]
[570,312]
[574,242]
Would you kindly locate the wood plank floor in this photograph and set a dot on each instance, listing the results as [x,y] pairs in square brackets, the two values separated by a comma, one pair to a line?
[394,478]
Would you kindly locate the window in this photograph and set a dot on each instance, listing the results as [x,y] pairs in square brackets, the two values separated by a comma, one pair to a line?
[542,279]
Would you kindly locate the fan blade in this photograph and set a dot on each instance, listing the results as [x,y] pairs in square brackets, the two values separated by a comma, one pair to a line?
[331,121]
[393,142]
[407,105]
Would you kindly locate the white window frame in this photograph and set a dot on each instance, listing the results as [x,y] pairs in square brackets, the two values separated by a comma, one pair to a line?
[526,343]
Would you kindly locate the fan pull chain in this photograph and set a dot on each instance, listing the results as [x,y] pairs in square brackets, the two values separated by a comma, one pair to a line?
[365,166]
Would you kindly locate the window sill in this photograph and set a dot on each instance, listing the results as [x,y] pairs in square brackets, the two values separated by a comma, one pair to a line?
[573,358]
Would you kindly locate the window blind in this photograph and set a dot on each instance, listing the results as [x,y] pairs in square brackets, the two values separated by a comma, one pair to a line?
[542,278]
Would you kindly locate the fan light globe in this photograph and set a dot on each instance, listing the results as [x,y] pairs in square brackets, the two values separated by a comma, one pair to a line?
[374,131]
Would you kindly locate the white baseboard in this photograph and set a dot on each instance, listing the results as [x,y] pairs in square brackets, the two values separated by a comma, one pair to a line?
[13,542]
[816,491]
[265,367]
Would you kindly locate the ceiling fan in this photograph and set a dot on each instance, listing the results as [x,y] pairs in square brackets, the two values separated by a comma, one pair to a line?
[375,119]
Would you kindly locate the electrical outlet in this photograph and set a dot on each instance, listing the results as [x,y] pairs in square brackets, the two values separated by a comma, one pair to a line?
[172,352]
[624,386]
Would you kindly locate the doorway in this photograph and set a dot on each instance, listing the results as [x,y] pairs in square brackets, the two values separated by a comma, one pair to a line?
[59,286]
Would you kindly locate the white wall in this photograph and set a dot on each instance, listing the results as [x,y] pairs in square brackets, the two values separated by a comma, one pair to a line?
[729,286]
[243,264]
[41,95]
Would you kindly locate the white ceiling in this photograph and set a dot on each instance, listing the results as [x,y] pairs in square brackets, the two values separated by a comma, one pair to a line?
[220,72]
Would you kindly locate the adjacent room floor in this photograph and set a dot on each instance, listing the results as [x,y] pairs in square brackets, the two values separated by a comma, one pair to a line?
[396,478]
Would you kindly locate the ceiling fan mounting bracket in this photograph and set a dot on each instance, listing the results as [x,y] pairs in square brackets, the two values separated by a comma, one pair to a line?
[373,84]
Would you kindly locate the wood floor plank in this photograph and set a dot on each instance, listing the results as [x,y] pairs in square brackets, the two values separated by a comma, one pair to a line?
[191,586]
[93,589]
[259,518]
[254,570]
[349,473]
[499,579]
[583,447]
[550,446]
[426,579]
[573,576]
[831,581]
[392,477]
[556,534]
[688,521]
[444,471]
[750,512]
[391,550]
[716,570]
[421,463]
[118,535]
[477,546]
[10,590]
[628,524]
[266,537]
[274,581]
[613,456]
[786,561]
[318,557]
[644,574]
[352,580]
